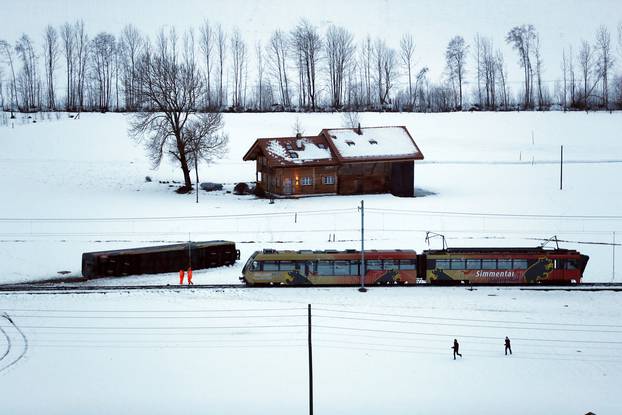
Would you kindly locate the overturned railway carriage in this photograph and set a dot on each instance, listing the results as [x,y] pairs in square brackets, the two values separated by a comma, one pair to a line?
[502,266]
[157,259]
[330,267]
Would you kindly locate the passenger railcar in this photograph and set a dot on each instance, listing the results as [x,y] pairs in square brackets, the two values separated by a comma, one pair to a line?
[330,267]
[158,259]
[502,266]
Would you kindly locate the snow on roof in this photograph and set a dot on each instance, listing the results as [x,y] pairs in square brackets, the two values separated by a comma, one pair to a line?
[373,142]
[309,152]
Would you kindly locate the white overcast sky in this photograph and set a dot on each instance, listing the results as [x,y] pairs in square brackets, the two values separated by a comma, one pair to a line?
[433,23]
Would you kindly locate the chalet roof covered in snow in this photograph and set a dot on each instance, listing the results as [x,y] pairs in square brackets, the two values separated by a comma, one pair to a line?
[297,151]
[334,146]
[373,143]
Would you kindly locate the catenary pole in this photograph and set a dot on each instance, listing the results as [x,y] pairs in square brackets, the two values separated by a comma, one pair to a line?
[561,168]
[310,363]
[362,268]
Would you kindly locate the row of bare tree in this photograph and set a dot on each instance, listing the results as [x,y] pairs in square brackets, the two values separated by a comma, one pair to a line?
[303,69]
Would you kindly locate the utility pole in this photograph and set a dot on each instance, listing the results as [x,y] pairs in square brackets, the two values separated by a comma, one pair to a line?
[362,268]
[561,168]
[310,364]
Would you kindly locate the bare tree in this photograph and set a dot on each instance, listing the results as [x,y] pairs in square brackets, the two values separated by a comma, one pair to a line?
[407,52]
[538,58]
[502,71]
[131,47]
[221,46]
[366,68]
[28,79]
[238,67]
[351,119]
[7,51]
[68,43]
[586,62]
[384,58]
[102,65]
[308,46]
[522,39]
[339,50]
[564,68]
[605,61]
[204,140]
[170,90]
[207,40]
[82,51]
[488,70]
[261,105]
[455,57]
[277,64]
[50,53]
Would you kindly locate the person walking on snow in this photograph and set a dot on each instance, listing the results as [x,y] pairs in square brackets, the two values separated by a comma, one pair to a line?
[456,348]
[508,346]
[181,277]
[190,276]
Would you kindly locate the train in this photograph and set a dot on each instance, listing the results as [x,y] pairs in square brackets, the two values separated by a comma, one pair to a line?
[159,259]
[449,266]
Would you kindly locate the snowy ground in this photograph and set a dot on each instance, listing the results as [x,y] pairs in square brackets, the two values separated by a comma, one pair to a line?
[76,185]
[70,186]
[243,351]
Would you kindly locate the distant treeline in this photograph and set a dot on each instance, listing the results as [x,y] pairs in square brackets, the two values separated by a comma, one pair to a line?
[305,70]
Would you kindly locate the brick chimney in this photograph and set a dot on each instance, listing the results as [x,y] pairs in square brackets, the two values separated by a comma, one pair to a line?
[358,130]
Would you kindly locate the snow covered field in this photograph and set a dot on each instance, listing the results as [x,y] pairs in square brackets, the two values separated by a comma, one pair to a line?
[70,186]
[237,351]
[75,185]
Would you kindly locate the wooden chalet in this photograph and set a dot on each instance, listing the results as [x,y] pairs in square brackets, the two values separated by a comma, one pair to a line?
[341,161]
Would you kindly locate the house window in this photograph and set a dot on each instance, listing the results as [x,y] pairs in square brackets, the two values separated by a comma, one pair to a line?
[307,181]
[350,142]
[288,146]
[328,179]
[372,141]
[321,145]
[259,178]
[293,155]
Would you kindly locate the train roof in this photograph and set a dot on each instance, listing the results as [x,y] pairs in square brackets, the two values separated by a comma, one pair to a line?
[333,251]
[499,250]
[161,248]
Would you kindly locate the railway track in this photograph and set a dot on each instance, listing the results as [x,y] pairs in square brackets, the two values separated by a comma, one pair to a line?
[64,288]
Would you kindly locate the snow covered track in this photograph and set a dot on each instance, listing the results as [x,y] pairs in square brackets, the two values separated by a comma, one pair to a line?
[7,354]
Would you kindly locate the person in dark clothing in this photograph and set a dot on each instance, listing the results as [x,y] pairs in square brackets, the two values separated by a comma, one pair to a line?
[456,348]
[508,346]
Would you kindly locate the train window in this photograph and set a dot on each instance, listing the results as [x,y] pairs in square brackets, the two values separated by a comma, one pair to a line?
[442,264]
[407,264]
[374,264]
[342,268]
[390,264]
[520,264]
[558,264]
[255,266]
[504,264]
[458,264]
[325,267]
[287,266]
[270,266]
[354,268]
[489,264]
[473,263]
[571,264]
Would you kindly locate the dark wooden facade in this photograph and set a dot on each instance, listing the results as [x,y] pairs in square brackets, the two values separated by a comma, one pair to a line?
[334,174]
